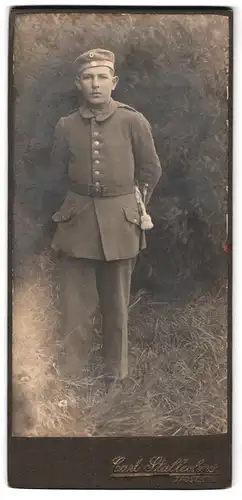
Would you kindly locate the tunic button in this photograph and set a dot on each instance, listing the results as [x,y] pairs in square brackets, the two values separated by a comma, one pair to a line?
[96,162]
[97,184]
[95,134]
[96,143]
[135,220]
[96,152]
[97,172]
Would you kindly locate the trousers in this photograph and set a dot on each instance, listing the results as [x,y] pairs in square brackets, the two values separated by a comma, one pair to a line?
[85,284]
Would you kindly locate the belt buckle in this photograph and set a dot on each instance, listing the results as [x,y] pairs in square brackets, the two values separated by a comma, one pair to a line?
[96,190]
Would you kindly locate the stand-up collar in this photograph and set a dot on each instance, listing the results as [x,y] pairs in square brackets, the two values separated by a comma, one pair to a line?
[102,114]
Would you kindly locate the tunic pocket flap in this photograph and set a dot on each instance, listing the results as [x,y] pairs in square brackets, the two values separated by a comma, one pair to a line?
[72,206]
[62,216]
[65,213]
[132,215]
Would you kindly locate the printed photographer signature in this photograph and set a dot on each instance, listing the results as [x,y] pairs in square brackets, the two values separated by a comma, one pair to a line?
[180,469]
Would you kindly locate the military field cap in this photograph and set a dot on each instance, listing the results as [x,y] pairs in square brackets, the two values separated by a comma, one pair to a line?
[94,58]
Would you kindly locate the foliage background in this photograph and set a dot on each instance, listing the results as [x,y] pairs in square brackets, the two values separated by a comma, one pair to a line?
[174,69]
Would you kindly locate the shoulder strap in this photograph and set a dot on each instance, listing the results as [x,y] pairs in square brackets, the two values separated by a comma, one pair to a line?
[126,106]
[72,111]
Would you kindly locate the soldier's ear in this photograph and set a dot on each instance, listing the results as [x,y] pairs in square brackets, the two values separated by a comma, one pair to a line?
[77,82]
[115,81]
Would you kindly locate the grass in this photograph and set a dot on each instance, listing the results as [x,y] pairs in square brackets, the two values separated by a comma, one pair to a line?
[173,68]
[177,359]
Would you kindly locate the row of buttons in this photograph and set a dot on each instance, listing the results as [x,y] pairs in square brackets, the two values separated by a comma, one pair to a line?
[95,153]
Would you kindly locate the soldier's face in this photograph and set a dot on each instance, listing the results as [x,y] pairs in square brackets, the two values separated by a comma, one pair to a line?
[97,84]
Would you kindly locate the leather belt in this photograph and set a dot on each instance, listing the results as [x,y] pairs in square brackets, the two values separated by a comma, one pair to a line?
[99,191]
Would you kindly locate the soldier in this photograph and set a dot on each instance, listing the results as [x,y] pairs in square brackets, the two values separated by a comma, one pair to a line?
[105,148]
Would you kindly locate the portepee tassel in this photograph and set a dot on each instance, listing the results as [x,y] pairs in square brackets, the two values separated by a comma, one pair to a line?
[146,221]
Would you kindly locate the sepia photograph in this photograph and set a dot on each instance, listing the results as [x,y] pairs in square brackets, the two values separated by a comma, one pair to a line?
[120,223]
